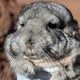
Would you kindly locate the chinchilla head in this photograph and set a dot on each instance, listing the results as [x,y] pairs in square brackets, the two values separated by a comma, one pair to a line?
[40,31]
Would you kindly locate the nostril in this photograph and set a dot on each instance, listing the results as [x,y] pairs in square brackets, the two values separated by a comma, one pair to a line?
[30,44]
[29,40]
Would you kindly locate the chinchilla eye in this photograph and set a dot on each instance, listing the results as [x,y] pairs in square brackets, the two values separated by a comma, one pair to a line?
[52,25]
[21,21]
[53,22]
[22,24]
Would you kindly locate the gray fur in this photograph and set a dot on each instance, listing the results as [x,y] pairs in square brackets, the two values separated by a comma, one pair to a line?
[40,36]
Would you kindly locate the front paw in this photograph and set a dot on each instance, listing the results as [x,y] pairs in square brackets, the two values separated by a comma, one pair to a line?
[29,69]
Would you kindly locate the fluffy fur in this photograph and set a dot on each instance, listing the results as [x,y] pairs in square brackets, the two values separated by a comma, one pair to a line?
[44,41]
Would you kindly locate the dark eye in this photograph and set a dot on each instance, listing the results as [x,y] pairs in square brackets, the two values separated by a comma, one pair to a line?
[52,25]
[21,21]
[19,25]
[22,24]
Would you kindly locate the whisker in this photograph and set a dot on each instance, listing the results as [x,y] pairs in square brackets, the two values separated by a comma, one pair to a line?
[51,55]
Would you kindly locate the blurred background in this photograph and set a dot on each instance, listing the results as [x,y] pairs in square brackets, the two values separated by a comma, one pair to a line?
[9,9]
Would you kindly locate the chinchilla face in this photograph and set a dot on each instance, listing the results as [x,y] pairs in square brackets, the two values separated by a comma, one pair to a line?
[39,30]
[40,34]
[36,35]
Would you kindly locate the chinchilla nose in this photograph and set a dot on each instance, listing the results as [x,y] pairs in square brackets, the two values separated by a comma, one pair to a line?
[30,44]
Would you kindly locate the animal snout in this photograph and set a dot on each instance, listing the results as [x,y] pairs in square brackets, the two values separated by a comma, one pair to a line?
[30,44]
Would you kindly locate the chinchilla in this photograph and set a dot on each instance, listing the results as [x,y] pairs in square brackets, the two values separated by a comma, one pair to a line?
[44,40]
